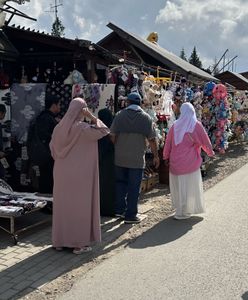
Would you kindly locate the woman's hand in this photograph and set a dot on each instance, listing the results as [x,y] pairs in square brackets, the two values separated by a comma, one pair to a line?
[87,114]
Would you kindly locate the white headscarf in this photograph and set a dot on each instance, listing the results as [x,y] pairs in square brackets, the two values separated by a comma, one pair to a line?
[185,123]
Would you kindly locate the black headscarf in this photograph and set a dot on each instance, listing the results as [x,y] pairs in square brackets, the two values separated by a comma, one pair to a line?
[106,116]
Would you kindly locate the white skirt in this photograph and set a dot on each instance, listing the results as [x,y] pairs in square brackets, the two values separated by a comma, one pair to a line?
[187,193]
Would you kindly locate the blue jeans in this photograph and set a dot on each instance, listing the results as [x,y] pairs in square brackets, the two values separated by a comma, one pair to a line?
[127,191]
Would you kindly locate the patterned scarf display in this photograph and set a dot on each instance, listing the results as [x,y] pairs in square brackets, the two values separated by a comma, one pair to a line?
[97,96]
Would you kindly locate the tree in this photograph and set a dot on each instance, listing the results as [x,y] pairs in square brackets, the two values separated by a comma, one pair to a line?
[58,28]
[208,70]
[194,59]
[183,55]
[215,68]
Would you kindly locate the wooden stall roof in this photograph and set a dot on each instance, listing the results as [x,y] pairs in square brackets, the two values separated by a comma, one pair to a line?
[31,43]
[245,74]
[235,79]
[7,50]
[150,53]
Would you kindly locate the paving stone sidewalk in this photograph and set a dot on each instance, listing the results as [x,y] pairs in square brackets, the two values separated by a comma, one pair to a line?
[33,262]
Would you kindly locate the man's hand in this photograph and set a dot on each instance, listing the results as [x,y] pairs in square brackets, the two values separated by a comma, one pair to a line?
[112,137]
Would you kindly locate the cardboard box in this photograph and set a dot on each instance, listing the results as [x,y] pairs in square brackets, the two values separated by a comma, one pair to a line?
[152,181]
[143,186]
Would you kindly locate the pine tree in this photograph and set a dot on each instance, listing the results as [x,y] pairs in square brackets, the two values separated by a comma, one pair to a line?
[194,59]
[58,28]
[183,55]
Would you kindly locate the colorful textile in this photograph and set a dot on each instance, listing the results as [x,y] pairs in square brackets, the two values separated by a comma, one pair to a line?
[14,205]
[6,122]
[97,96]
[27,101]
[11,210]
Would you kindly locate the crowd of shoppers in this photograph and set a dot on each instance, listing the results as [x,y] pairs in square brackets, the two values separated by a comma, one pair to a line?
[96,166]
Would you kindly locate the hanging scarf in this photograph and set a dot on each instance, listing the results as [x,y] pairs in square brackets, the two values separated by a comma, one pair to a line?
[185,123]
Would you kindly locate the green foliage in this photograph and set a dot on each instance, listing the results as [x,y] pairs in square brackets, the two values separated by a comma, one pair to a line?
[58,28]
[183,55]
[194,59]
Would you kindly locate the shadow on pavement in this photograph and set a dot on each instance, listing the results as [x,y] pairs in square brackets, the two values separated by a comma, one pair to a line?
[245,296]
[46,264]
[165,232]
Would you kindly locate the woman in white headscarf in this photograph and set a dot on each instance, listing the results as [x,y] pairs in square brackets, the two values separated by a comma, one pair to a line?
[182,151]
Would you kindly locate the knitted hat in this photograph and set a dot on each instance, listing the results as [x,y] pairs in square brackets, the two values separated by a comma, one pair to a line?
[134,97]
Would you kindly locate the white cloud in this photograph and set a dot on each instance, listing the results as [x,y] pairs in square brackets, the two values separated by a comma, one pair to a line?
[86,27]
[81,22]
[227,27]
[212,26]
[171,12]
[223,14]
[144,18]
[36,9]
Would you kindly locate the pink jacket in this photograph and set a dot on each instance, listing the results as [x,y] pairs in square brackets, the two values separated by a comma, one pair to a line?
[186,157]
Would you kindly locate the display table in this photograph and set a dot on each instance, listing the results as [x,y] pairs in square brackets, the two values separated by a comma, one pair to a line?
[14,205]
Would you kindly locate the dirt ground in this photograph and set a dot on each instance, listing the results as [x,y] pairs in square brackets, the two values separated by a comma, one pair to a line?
[220,167]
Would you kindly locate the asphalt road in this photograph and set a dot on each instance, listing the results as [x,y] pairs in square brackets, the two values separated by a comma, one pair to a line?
[205,257]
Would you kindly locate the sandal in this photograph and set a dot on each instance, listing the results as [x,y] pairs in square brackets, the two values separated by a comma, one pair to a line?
[82,250]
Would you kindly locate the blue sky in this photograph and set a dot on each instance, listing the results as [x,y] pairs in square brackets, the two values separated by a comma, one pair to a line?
[211,25]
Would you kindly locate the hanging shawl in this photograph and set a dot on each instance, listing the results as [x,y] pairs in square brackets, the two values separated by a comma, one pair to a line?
[185,123]
[67,132]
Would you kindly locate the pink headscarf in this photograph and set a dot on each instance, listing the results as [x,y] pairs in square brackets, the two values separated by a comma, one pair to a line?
[67,132]
[185,123]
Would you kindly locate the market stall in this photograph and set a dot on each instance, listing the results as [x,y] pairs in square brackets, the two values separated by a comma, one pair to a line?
[14,205]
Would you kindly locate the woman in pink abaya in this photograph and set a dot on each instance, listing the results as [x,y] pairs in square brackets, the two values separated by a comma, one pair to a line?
[74,147]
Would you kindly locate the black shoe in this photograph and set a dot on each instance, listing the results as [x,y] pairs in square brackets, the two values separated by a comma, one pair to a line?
[134,220]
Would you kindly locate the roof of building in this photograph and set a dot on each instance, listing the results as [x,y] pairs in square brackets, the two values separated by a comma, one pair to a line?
[167,58]
[36,41]
[235,79]
[245,74]
[7,50]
